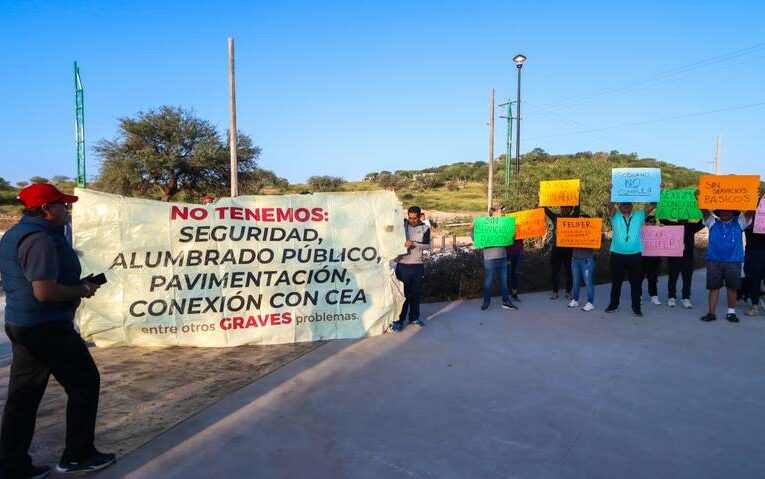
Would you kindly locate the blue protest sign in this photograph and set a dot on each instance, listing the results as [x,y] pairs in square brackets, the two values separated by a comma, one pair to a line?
[638,185]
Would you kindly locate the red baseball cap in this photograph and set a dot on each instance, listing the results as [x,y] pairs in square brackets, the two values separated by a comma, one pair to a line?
[38,194]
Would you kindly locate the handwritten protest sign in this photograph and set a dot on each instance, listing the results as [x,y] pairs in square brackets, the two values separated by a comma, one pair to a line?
[579,232]
[635,185]
[529,223]
[491,231]
[244,270]
[759,218]
[662,240]
[559,193]
[728,192]
[678,205]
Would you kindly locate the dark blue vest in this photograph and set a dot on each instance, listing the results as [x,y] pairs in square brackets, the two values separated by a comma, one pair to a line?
[21,306]
[725,242]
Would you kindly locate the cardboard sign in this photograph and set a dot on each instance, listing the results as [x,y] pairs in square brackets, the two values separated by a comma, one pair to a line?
[530,223]
[559,193]
[492,231]
[759,218]
[678,205]
[663,240]
[729,192]
[579,232]
[635,185]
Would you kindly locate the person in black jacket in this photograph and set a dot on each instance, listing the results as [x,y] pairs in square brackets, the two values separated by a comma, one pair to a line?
[560,258]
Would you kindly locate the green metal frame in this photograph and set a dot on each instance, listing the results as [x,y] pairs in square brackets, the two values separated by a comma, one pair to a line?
[508,156]
[79,129]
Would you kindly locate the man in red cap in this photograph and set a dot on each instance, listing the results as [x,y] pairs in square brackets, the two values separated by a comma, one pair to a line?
[41,278]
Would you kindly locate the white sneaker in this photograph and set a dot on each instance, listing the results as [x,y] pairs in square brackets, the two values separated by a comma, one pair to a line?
[687,303]
[588,307]
[753,311]
[655,300]
[671,302]
[573,304]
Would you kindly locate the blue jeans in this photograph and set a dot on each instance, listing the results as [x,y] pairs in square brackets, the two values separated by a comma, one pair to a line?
[412,276]
[491,266]
[584,268]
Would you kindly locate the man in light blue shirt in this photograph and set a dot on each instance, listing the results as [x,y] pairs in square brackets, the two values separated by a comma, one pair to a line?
[626,249]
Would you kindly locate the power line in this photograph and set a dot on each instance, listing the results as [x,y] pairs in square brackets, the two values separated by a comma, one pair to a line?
[658,120]
[659,77]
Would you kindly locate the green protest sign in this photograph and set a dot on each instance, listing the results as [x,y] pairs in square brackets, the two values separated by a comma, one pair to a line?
[678,205]
[490,231]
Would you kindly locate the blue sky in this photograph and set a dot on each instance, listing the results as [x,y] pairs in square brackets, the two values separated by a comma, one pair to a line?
[345,88]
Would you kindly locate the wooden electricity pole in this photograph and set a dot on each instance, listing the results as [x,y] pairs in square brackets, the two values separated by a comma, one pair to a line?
[491,152]
[717,157]
[232,126]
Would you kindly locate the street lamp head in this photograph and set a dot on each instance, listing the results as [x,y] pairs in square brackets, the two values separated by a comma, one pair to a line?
[519,59]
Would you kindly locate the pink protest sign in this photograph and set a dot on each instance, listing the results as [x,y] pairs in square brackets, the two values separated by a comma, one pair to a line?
[759,218]
[663,240]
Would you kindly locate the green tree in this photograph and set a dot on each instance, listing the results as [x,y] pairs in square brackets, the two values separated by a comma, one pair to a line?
[5,185]
[326,183]
[39,179]
[22,184]
[167,151]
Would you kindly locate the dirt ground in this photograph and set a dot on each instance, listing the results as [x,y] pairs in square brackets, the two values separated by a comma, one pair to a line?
[146,391]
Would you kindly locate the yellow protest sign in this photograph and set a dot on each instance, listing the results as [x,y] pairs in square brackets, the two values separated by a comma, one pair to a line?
[579,232]
[245,270]
[559,193]
[729,192]
[530,223]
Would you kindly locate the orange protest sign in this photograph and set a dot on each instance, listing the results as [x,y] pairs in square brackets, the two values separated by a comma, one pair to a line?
[728,192]
[579,232]
[559,193]
[529,223]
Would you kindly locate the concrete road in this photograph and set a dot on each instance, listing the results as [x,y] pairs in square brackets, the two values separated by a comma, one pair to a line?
[544,392]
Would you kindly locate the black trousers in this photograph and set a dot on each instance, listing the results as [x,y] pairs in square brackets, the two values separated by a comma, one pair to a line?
[39,351]
[680,265]
[412,276]
[560,258]
[754,268]
[651,265]
[632,266]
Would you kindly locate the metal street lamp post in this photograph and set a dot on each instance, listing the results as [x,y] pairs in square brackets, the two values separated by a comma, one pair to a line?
[518,59]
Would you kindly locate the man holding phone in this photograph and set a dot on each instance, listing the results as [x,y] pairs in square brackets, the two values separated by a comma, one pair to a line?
[41,278]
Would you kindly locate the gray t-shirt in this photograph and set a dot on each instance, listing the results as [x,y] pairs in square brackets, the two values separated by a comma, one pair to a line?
[38,257]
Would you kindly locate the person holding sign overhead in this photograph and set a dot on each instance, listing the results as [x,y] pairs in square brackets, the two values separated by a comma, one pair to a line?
[754,264]
[495,261]
[682,265]
[626,249]
[560,257]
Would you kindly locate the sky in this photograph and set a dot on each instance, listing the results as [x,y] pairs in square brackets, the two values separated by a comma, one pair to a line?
[346,88]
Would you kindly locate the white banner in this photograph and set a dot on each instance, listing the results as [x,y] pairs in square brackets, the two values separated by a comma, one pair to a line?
[245,270]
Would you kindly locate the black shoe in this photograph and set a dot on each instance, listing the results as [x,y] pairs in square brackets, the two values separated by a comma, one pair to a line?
[637,312]
[612,308]
[732,317]
[95,462]
[515,297]
[509,305]
[484,306]
[37,472]
[708,317]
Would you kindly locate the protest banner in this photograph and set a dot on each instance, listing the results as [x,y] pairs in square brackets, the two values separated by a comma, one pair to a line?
[635,185]
[662,240]
[559,192]
[759,218]
[244,270]
[678,205]
[579,232]
[529,223]
[728,192]
[491,231]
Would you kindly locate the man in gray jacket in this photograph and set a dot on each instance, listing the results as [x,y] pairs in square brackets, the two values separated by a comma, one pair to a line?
[410,269]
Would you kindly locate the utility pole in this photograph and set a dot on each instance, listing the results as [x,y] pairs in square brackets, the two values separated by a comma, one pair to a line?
[508,151]
[717,157]
[491,152]
[232,125]
[79,127]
